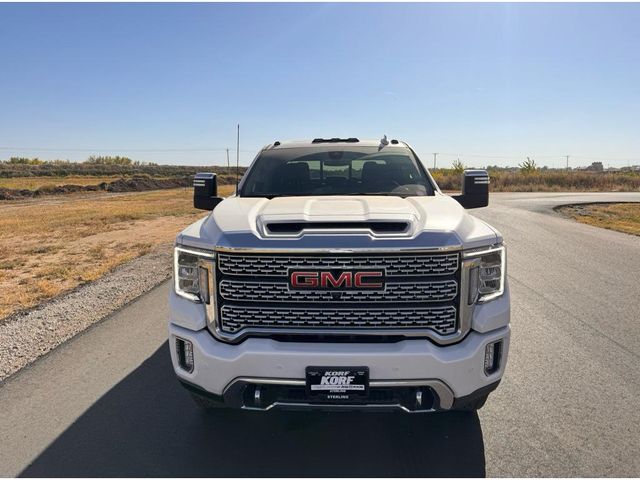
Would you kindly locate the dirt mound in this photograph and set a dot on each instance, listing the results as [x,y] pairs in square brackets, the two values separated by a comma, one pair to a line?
[140,184]
[136,183]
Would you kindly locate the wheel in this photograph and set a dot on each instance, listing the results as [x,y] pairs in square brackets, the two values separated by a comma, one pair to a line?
[206,403]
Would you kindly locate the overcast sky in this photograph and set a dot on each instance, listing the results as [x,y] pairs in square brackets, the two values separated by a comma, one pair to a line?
[490,83]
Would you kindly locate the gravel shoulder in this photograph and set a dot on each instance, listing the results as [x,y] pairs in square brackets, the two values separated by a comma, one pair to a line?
[28,335]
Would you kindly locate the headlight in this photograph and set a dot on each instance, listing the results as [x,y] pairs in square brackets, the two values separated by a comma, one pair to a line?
[487,273]
[190,274]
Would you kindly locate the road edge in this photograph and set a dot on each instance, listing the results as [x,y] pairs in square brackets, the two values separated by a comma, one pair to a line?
[29,336]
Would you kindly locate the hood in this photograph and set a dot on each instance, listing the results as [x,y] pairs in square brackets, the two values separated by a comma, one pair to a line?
[439,218]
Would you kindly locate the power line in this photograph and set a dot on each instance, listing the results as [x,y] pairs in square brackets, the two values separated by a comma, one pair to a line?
[524,155]
[507,157]
[138,150]
[607,159]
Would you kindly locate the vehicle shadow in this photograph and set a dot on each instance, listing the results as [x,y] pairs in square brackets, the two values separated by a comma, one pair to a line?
[147,425]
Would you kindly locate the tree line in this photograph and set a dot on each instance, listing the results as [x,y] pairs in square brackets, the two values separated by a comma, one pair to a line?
[92,160]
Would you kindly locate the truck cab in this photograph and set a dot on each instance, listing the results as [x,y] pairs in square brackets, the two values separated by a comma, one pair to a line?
[339,276]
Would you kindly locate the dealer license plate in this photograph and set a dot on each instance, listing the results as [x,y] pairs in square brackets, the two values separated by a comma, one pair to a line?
[337,384]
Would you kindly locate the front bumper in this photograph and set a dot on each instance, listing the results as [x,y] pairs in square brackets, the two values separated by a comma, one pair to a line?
[448,373]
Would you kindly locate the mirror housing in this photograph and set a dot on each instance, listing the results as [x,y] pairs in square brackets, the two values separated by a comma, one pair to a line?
[205,191]
[475,189]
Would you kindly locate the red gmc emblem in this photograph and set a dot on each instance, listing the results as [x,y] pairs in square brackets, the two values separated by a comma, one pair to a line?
[336,280]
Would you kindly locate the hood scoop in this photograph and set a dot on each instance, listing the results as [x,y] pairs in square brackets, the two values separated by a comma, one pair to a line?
[375,228]
[379,217]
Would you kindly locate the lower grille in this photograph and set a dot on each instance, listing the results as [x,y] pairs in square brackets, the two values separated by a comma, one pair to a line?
[439,319]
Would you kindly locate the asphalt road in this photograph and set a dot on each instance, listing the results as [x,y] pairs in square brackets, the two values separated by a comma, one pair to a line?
[107,403]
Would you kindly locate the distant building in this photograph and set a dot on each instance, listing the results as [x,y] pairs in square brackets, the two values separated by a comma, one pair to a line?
[595,167]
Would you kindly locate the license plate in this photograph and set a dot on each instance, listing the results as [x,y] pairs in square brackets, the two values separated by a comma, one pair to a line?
[337,384]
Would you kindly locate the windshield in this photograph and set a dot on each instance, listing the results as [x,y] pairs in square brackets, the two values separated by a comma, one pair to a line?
[334,170]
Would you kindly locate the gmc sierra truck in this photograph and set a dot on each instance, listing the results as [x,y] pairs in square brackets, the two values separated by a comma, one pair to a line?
[339,277]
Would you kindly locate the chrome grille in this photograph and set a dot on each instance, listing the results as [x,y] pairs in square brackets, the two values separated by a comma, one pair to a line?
[421,294]
[246,291]
[439,319]
[397,265]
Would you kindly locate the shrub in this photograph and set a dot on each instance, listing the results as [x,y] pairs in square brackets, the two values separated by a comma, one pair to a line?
[25,161]
[108,160]
[458,167]
[529,166]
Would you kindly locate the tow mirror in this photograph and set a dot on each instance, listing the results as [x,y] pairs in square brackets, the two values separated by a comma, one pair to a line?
[205,191]
[475,189]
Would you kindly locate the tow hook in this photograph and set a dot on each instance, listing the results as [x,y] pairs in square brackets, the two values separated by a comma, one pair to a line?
[257,394]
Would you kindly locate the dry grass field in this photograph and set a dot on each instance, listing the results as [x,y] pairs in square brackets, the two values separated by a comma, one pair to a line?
[51,246]
[33,183]
[623,217]
[547,181]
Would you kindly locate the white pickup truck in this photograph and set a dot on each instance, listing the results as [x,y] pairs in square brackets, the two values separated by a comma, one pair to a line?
[338,277]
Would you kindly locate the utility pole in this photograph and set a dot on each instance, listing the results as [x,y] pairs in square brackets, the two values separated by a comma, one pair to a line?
[567,162]
[238,159]
[228,166]
[435,156]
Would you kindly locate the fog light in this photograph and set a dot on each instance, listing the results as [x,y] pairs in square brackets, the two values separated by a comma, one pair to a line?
[184,351]
[492,356]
